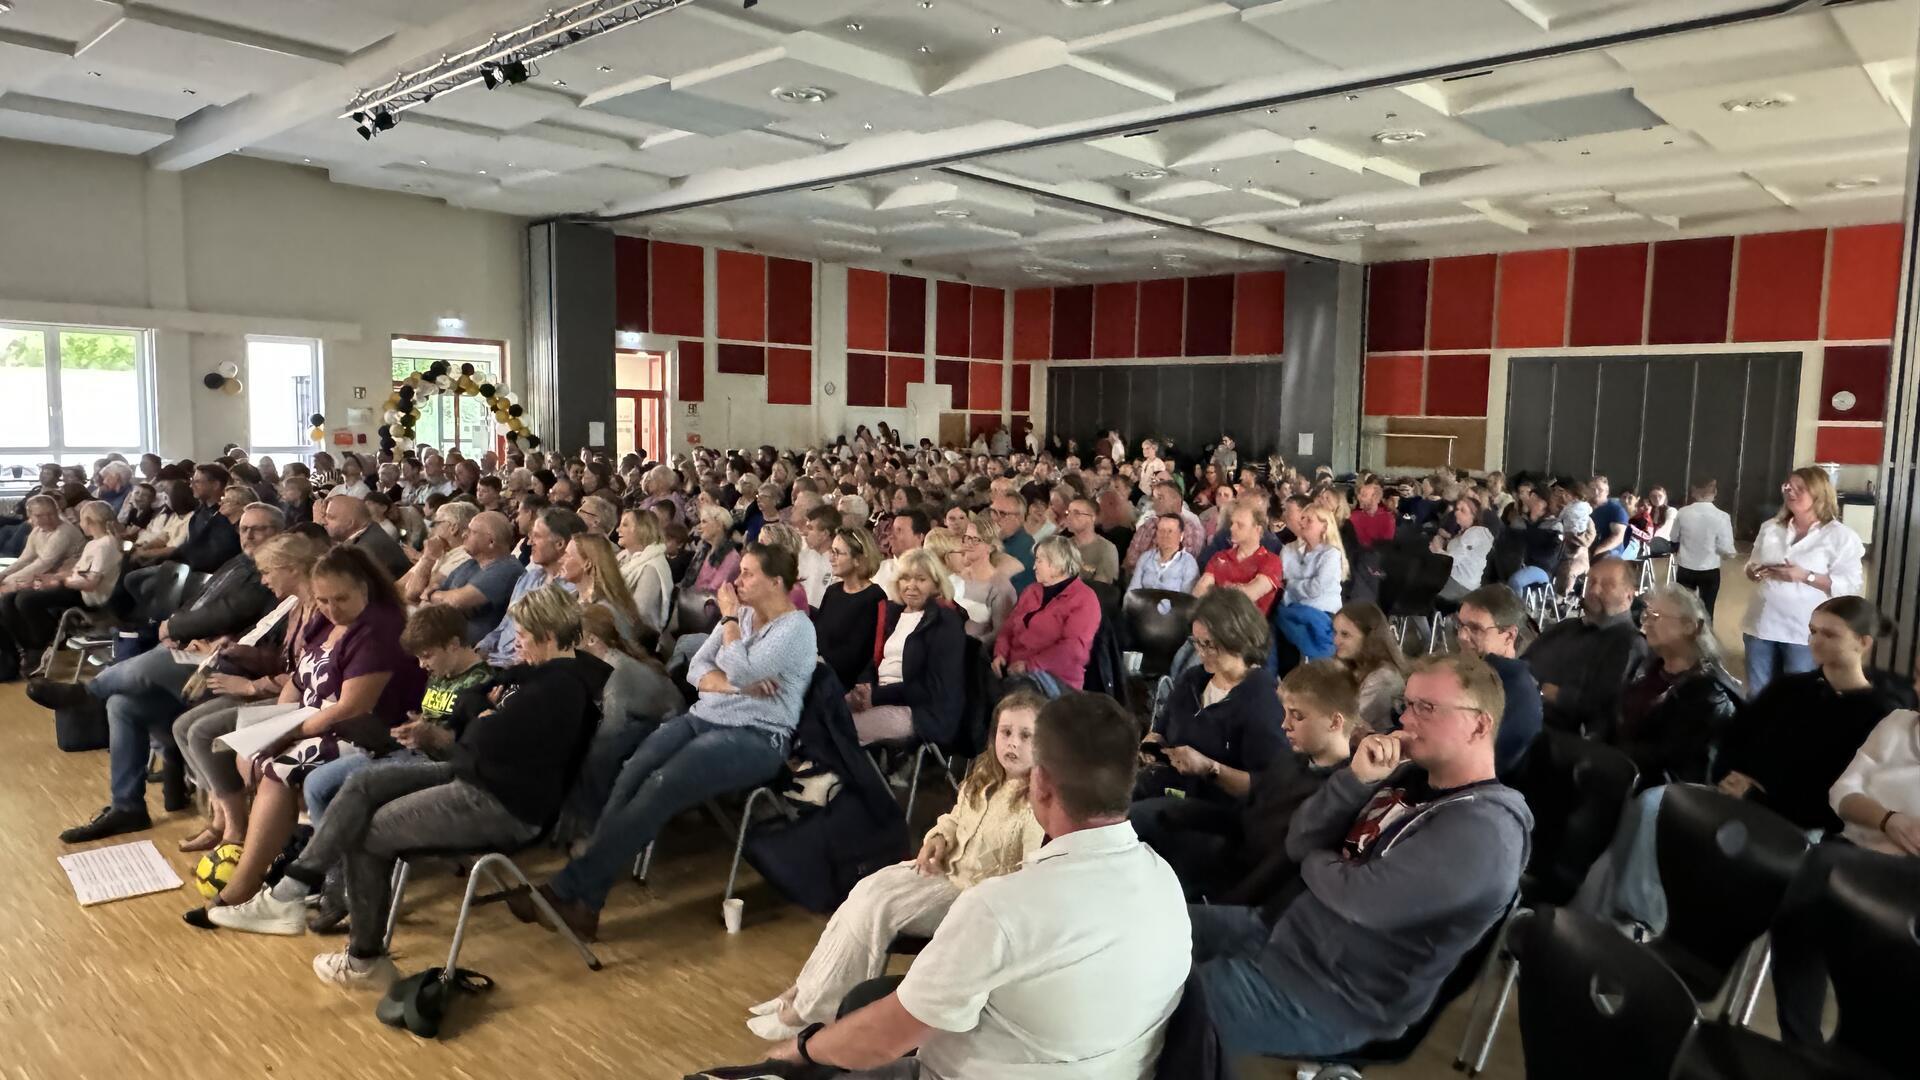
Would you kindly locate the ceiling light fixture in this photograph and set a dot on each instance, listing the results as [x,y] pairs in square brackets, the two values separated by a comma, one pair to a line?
[1147,174]
[559,82]
[5,6]
[854,27]
[953,212]
[1350,236]
[188,92]
[95,74]
[925,50]
[606,69]
[1034,269]
[1086,3]
[1573,210]
[800,95]
[1398,138]
[1853,183]
[1758,104]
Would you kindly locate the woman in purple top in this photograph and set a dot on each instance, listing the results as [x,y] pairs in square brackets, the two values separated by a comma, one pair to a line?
[350,668]
[716,561]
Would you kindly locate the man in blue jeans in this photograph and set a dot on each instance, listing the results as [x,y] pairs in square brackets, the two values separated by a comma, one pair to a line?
[752,674]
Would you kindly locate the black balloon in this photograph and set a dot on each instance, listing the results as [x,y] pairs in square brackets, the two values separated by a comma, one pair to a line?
[316,420]
[466,369]
[533,442]
[514,410]
[406,392]
[487,390]
[213,380]
[386,430]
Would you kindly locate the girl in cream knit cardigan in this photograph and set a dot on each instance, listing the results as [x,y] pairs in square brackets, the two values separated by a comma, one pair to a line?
[990,831]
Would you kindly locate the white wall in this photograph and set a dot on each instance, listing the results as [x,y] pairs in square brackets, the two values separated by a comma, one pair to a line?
[244,246]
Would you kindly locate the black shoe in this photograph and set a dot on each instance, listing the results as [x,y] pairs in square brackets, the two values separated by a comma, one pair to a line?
[173,784]
[57,695]
[329,918]
[110,821]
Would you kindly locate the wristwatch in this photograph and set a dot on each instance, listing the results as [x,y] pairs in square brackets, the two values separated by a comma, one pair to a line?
[729,618]
[800,1044]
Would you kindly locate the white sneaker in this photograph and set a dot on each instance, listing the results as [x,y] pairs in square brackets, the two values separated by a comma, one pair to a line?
[768,1007]
[771,1028]
[343,970]
[262,915]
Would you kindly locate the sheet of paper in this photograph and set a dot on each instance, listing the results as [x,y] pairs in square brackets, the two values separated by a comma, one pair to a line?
[190,659]
[261,731]
[117,872]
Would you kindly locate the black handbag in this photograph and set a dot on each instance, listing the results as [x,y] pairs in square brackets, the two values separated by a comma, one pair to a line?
[420,1002]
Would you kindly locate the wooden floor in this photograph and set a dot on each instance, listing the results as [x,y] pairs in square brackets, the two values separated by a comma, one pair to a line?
[127,991]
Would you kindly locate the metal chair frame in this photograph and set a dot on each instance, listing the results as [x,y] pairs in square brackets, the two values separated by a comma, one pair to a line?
[643,863]
[490,864]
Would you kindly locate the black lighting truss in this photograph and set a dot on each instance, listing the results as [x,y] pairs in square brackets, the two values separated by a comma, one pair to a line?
[560,28]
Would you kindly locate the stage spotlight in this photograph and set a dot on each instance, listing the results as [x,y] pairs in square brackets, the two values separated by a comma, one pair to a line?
[489,75]
[365,132]
[516,72]
[383,120]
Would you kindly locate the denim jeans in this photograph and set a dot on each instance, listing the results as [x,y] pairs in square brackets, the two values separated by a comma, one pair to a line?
[1624,883]
[1309,629]
[1766,659]
[685,762]
[1251,1014]
[143,699]
[1526,576]
[326,781]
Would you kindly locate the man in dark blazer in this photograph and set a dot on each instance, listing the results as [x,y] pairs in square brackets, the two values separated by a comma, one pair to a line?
[349,523]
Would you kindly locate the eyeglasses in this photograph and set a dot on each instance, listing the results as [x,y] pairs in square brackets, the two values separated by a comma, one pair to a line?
[971,541]
[1425,709]
[1478,628]
[1203,645]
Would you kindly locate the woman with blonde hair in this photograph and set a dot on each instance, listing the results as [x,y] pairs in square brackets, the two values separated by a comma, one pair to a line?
[643,566]
[982,588]
[1800,559]
[989,832]
[850,608]
[913,686]
[1313,568]
[592,567]
[716,559]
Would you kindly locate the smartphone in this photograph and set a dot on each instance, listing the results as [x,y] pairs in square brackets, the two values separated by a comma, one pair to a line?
[1156,751]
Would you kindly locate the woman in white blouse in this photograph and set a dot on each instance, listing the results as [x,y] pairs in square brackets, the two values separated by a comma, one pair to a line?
[1469,547]
[1800,560]
[30,616]
[981,588]
[643,564]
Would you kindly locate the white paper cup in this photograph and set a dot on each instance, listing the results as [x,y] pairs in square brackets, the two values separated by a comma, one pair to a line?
[733,911]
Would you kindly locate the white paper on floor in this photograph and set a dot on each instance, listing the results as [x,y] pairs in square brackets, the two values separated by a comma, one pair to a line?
[118,872]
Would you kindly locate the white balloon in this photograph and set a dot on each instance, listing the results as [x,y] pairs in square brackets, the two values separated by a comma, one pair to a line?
[229,369]
[443,381]
[391,416]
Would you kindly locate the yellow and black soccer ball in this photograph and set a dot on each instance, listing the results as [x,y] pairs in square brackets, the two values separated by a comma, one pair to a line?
[216,869]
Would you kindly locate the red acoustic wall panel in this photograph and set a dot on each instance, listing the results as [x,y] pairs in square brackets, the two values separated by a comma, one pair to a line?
[790,301]
[1850,445]
[866,380]
[1033,324]
[677,284]
[989,323]
[1864,283]
[1073,322]
[1860,370]
[952,318]
[1022,387]
[906,314]
[867,310]
[1457,385]
[1393,385]
[1116,317]
[982,424]
[629,283]
[789,376]
[1162,316]
[1463,303]
[1397,306]
[953,374]
[1210,316]
[984,378]
[902,370]
[1692,287]
[1609,294]
[741,278]
[734,359]
[1533,299]
[1260,313]
[693,370]
[1778,292]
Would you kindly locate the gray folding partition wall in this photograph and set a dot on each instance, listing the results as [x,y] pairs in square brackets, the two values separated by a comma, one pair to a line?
[1190,403]
[1642,420]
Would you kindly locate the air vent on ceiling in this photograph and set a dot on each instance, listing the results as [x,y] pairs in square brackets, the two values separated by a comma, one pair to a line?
[1564,118]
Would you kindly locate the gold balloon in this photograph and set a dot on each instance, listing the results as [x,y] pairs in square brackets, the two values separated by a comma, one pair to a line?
[232,387]
[318,434]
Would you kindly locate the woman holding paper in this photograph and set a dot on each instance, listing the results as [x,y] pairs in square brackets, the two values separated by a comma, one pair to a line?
[351,683]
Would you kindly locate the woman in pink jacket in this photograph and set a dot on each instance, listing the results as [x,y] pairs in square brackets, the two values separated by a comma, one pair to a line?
[1049,633]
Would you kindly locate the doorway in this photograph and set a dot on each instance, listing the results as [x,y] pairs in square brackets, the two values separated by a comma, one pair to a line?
[640,404]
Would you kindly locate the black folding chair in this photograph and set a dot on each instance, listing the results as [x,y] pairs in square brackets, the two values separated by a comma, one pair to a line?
[695,612]
[1158,622]
[89,632]
[1594,1005]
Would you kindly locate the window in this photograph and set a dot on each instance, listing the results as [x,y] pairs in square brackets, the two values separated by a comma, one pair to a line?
[73,394]
[283,393]
[640,404]
[452,421]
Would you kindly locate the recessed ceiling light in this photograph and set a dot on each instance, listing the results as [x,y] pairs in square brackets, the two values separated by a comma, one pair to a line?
[95,74]
[483,172]
[423,161]
[606,69]
[306,161]
[509,164]
[1350,235]
[925,50]
[801,95]
[1148,174]
[1572,210]
[1033,269]
[995,31]
[953,212]
[854,27]
[188,92]
[1853,183]
[1757,104]
[1397,138]
[1086,3]
[559,82]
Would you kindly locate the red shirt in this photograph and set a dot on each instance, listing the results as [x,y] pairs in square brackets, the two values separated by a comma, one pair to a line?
[1374,527]
[1228,568]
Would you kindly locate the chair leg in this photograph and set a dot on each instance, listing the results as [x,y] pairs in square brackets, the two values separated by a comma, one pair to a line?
[740,843]
[397,893]
[1493,1021]
[1744,994]
[495,860]
[1433,633]
[913,785]
[643,863]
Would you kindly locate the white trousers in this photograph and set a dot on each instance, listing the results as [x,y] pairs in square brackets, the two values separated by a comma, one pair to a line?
[853,948]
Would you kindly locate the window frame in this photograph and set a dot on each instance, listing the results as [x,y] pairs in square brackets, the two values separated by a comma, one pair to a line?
[56,448]
[453,356]
[282,454]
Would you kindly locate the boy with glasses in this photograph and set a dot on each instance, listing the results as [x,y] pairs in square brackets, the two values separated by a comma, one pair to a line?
[1489,622]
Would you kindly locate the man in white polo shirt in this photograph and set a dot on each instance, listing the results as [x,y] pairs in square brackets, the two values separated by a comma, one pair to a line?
[1069,967]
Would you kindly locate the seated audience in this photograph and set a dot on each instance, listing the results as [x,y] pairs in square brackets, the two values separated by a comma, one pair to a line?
[849,612]
[546,543]
[1489,623]
[167,528]
[1048,637]
[1582,664]
[989,832]
[1314,568]
[52,550]
[1408,856]
[908,531]
[30,615]
[1373,523]
[1008,513]
[1469,546]
[1246,565]
[1099,559]
[1679,704]
[1166,565]
[1166,503]
[914,686]
[1363,643]
[716,560]
[590,565]
[482,585]
[443,551]
[982,587]
[349,523]
[643,565]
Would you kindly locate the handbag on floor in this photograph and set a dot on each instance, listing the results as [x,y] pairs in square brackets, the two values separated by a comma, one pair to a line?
[420,1002]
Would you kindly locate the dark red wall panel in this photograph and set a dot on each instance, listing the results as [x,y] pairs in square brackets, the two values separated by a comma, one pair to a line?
[952,318]
[1778,292]
[1609,294]
[677,284]
[982,424]
[1457,384]
[1210,316]
[989,323]
[902,370]
[1861,370]
[867,310]
[1533,299]
[1850,445]
[1162,316]
[790,301]
[906,314]
[693,370]
[741,278]
[789,376]
[953,374]
[1073,322]
[1033,324]
[984,379]
[1260,313]
[629,283]
[1116,317]
[1393,385]
[1692,286]
[1022,387]
[1863,286]
[732,359]
[1463,303]
[1397,306]
[866,380]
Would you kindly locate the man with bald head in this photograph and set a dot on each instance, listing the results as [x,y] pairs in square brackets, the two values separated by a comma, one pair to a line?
[480,587]
[348,522]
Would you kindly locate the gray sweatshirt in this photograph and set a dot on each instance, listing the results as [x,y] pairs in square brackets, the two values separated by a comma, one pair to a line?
[1367,943]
